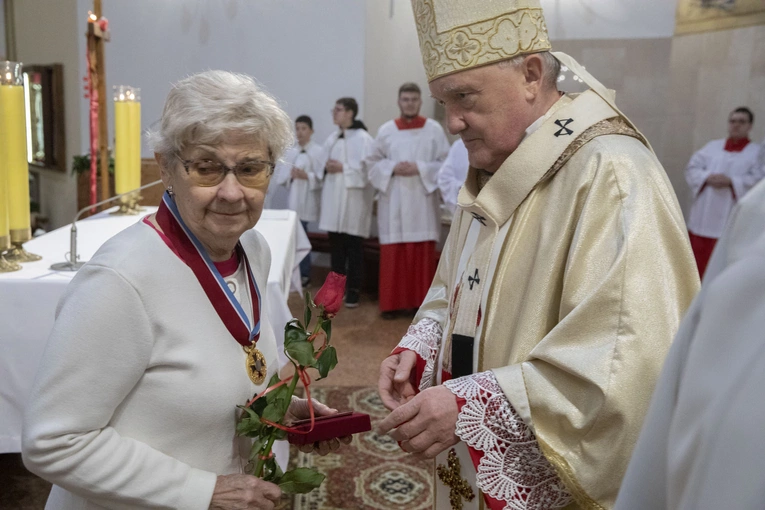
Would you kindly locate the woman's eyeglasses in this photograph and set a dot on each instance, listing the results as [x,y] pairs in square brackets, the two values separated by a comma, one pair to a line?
[252,173]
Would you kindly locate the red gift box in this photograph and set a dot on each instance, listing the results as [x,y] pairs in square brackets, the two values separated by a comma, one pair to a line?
[329,427]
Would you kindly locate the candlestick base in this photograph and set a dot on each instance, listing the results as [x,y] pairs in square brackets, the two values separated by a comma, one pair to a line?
[18,254]
[8,267]
[129,206]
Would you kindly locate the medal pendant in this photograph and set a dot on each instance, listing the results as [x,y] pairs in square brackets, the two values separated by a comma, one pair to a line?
[256,365]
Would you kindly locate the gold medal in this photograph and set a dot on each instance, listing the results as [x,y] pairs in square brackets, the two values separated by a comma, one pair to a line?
[256,365]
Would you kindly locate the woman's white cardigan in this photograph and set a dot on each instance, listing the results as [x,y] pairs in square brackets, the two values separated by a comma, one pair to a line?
[134,404]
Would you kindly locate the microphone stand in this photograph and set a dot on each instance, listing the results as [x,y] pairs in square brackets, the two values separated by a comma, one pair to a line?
[73,264]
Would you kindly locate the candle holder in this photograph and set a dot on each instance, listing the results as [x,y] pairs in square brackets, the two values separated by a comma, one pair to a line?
[15,168]
[129,205]
[5,266]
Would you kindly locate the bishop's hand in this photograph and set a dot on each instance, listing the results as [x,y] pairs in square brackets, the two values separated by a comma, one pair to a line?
[396,383]
[426,424]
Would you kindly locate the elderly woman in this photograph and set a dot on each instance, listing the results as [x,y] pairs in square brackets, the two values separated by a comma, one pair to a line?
[162,333]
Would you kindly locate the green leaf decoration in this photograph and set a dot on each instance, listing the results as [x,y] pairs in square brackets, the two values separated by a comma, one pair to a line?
[326,362]
[257,445]
[250,424]
[293,335]
[302,352]
[327,327]
[300,481]
[272,472]
[275,410]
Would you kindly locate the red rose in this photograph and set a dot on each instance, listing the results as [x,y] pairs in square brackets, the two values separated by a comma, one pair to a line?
[330,295]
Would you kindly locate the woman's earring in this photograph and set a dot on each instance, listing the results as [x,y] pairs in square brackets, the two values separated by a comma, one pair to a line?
[170,191]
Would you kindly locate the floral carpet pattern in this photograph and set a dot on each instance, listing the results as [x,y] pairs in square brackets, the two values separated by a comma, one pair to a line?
[370,473]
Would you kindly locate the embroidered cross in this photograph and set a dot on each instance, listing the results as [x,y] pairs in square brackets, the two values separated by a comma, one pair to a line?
[480,218]
[474,279]
[459,488]
[563,131]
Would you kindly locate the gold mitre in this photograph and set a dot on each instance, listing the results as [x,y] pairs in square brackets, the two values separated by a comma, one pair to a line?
[456,35]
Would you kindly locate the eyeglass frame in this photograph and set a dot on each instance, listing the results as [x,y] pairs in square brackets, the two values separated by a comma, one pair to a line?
[188,162]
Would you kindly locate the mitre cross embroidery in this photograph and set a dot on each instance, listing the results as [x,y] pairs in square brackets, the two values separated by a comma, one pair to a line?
[459,488]
[473,280]
[563,131]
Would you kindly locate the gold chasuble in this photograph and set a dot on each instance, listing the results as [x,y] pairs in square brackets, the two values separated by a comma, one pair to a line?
[583,247]
[561,285]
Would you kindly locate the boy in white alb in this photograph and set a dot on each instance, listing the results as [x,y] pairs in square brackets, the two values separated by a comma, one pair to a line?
[404,169]
[301,172]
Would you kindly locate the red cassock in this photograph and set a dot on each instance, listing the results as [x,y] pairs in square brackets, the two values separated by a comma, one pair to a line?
[406,272]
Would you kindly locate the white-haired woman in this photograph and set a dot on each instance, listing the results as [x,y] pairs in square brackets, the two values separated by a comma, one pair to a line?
[162,333]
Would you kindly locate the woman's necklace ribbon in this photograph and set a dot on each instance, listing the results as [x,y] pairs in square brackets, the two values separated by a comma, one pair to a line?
[186,245]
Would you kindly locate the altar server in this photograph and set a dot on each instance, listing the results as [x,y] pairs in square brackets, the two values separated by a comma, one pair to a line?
[720,174]
[404,169]
[300,171]
[347,197]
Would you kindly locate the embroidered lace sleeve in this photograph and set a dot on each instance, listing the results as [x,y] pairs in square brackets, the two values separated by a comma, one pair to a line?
[512,468]
[423,338]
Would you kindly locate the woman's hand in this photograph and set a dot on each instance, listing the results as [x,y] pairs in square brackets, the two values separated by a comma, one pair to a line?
[298,410]
[234,492]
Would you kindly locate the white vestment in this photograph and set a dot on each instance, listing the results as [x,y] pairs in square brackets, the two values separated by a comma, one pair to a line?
[304,195]
[407,206]
[702,445]
[711,205]
[347,197]
[453,172]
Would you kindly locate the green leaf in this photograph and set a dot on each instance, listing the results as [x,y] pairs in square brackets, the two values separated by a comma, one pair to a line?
[302,352]
[276,410]
[300,481]
[249,425]
[272,472]
[326,362]
[257,445]
[294,335]
[327,327]
[308,301]
[280,435]
[259,405]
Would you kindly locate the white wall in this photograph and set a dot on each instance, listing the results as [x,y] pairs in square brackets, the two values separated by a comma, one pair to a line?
[46,33]
[307,53]
[392,57]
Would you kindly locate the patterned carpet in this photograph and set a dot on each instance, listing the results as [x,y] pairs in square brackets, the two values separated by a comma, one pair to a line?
[370,473]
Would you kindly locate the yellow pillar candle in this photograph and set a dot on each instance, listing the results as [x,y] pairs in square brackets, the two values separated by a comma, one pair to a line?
[122,143]
[13,155]
[134,108]
[5,240]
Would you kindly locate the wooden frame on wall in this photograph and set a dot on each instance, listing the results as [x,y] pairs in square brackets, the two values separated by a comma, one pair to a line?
[695,16]
[47,126]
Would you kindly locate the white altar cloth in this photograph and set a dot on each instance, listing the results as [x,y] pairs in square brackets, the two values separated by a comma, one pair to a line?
[28,299]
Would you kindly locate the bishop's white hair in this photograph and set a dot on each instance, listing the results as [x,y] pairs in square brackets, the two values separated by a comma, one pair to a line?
[550,67]
[203,108]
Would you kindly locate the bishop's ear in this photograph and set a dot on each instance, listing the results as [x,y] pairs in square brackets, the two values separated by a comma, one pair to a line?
[533,72]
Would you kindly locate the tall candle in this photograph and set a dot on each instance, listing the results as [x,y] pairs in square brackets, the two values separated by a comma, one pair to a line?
[13,152]
[134,108]
[5,240]
[122,142]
